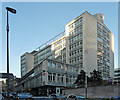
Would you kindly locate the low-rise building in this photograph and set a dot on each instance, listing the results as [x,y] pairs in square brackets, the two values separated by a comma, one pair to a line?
[48,77]
[3,86]
[27,63]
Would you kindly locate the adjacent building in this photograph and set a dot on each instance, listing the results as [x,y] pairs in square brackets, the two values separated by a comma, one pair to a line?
[27,63]
[117,75]
[86,45]
[3,86]
[48,77]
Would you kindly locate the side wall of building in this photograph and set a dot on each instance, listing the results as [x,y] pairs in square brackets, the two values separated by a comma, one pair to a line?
[89,43]
[111,55]
[30,62]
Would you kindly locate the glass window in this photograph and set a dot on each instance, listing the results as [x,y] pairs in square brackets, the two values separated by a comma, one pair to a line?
[23,57]
[48,49]
[67,79]
[80,20]
[58,77]
[54,76]
[62,79]
[23,66]
[49,76]
[80,36]
[80,28]
[99,25]
[23,61]
[59,66]
[99,32]
[57,43]
[99,39]
[42,52]
[104,29]
[62,67]
[49,64]
[66,67]
[53,64]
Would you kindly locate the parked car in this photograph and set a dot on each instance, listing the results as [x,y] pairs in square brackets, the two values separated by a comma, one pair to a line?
[23,96]
[39,98]
[14,95]
[4,94]
[1,97]
[56,97]
[110,98]
[75,97]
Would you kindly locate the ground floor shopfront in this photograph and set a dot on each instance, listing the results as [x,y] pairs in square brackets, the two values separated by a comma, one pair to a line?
[46,90]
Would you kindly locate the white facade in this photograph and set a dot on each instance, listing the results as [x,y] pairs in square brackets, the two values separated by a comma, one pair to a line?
[87,44]
[117,75]
[96,44]
[27,63]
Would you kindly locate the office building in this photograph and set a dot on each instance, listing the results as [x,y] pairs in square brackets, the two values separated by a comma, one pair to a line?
[90,44]
[117,75]
[48,77]
[27,63]
[86,45]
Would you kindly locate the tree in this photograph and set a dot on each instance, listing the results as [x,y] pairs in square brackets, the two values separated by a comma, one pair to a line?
[81,78]
[96,78]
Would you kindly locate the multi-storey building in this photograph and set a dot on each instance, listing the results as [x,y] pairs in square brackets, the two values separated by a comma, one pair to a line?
[56,50]
[90,44]
[48,77]
[87,45]
[117,75]
[27,63]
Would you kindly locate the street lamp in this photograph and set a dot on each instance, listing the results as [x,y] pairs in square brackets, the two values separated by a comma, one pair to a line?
[14,12]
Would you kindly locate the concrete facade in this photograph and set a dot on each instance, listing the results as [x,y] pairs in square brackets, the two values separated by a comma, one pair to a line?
[48,73]
[27,63]
[89,43]
[97,44]
[96,92]
[86,45]
[111,55]
[117,75]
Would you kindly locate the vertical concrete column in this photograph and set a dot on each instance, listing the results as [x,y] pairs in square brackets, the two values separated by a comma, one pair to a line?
[62,49]
[72,79]
[64,79]
[56,78]
[67,43]
[52,77]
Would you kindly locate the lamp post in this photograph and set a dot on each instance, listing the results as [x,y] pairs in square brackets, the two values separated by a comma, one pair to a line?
[86,51]
[86,85]
[14,12]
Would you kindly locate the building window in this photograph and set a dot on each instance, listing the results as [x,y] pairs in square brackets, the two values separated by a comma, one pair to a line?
[23,57]
[99,39]
[99,26]
[49,64]
[53,64]
[66,67]
[54,76]
[62,66]
[49,76]
[67,79]
[62,79]
[58,78]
